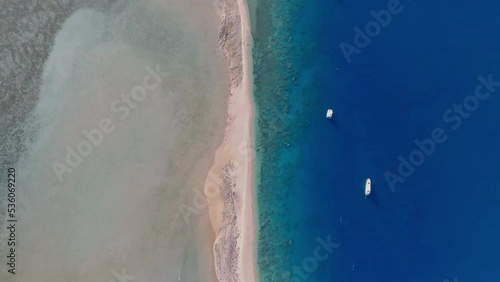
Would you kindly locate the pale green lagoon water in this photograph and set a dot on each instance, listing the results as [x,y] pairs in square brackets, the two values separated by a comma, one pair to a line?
[145,81]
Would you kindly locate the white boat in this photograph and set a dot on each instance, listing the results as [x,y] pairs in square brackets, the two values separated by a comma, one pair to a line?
[368,187]
[329,114]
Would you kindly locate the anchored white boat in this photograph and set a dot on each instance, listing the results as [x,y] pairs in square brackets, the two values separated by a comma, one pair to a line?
[329,114]
[368,187]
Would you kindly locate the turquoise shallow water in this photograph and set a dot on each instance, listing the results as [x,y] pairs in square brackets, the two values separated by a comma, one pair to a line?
[442,222]
[279,107]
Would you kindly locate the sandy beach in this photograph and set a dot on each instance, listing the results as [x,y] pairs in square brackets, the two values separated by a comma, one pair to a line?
[172,80]
[231,205]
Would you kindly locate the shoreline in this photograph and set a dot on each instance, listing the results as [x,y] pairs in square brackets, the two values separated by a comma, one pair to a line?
[231,206]
[248,209]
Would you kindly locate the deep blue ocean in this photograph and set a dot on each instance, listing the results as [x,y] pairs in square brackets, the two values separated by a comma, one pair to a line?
[443,222]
